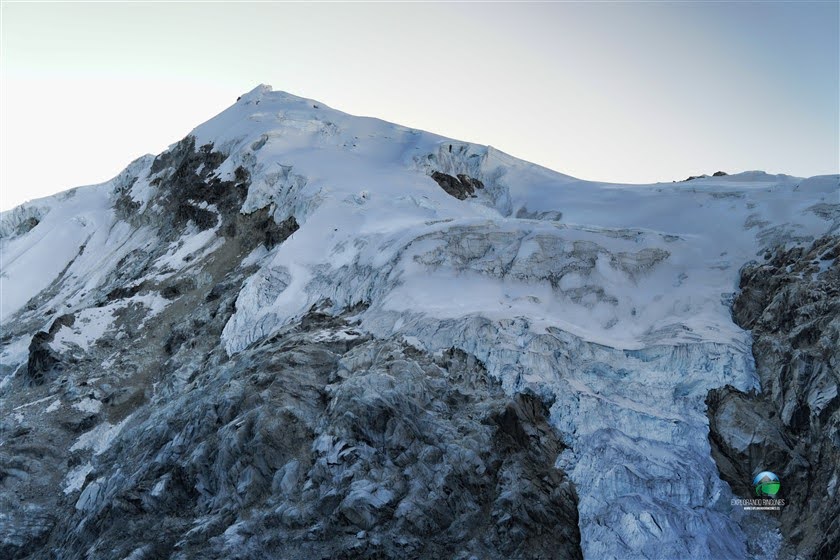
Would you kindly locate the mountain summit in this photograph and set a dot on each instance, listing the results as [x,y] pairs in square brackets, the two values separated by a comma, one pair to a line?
[299,333]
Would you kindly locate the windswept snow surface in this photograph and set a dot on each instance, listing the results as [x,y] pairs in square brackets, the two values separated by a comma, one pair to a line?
[610,300]
[75,238]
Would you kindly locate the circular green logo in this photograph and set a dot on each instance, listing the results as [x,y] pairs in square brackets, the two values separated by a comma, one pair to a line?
[766,484]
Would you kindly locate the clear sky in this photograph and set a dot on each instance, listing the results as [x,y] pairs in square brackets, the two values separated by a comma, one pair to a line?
[616,91]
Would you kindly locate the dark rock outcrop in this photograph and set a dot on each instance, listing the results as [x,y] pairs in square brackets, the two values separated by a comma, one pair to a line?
[792,426]
[704,176]
[42,358]
[461,187]
[277,233]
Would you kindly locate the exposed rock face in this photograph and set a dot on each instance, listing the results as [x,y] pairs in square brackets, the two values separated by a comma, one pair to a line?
[344,447]
[704,176]
[792,427]
[318,443]
[461,187]
[42,358]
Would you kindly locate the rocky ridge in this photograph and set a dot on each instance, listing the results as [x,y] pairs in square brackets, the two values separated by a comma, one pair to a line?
[791,303]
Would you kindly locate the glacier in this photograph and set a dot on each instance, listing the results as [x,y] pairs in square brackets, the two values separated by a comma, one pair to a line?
[612,303]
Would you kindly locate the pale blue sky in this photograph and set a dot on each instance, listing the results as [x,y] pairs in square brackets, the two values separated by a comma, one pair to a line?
[613,91]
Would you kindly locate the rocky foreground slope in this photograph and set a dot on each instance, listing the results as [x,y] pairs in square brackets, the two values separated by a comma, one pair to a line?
[298,333]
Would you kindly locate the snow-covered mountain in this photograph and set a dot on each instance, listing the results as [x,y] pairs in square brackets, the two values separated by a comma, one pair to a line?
[276,325]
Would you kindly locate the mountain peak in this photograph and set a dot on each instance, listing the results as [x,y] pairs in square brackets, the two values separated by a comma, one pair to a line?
[257,92]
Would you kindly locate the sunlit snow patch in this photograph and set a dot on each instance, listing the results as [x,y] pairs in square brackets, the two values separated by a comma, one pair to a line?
[100,438]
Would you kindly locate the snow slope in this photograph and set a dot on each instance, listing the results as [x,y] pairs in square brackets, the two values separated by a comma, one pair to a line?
[612,301]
